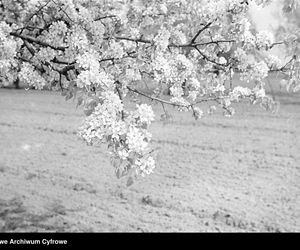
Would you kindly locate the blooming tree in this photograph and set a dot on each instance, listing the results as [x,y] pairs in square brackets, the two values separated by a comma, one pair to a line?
[102,52]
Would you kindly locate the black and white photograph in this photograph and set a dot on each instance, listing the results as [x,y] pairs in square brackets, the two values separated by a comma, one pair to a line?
[148,116]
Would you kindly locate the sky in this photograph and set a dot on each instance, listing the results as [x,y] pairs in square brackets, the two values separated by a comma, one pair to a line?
[267,18]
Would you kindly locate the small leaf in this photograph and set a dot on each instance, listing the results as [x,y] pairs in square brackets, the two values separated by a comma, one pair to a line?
[129,181]
[79,101]
[88,112]
[69,96]
[116,162]
[118,173]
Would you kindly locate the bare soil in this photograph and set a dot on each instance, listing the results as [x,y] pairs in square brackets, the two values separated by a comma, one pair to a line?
[215,174]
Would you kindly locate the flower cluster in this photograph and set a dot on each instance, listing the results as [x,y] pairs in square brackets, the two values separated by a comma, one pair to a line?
[91,73]
[124,131]
[162,67]
[45,55]
[77,42]
[162,39]
[137,140]
[242,58]
[240,92]
[259,92]
[179,37]
[259,71]
[246,37]
[264,39]
[56,34]
[116,50]
[273,62]
[31,77]
[88,61]
[103,120]
[8,51]
[132,75]
[145,165]
[144,113]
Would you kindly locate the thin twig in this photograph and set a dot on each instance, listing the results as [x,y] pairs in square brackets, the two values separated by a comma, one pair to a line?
[200,31]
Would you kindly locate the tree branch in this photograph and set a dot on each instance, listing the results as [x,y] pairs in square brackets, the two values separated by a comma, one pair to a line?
[37,41]
[171,103]
[200,31]
[104,17]
[188,45]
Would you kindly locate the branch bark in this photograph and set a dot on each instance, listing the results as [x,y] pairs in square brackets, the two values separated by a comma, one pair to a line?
[37,41]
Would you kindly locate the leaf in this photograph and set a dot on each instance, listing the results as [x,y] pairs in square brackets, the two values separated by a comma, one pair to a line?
[79,101]
[88,112]
[69,96]
[121,172]
[116,162]
[118,173]
[129,181]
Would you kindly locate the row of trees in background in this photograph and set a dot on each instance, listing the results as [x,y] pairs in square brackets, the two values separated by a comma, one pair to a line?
[101,52]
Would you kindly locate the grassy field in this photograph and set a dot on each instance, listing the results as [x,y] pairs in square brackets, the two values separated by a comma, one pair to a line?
[215,174]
